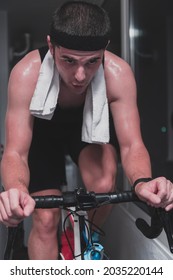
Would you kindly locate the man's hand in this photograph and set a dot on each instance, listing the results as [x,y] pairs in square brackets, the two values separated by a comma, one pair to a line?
[156,193]
[15,205]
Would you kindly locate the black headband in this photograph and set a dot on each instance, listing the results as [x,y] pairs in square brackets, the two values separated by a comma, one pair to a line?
[83,43]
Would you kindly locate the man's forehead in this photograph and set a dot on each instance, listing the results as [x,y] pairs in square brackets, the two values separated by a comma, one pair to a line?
[68,52]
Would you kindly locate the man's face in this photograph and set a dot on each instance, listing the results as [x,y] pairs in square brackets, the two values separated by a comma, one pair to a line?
[77,68]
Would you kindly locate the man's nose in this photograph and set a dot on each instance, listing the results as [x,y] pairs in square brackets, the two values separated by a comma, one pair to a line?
[80,74]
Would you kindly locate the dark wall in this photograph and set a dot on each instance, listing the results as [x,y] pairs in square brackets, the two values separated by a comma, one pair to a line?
[114,12]
[151,72]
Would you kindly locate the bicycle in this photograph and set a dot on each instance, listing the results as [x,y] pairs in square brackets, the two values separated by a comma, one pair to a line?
[79,201]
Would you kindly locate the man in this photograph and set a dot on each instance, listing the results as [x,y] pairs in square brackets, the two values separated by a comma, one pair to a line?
[68,77]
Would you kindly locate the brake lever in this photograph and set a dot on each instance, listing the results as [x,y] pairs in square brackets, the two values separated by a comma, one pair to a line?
[167,221]
[151,231]
[160,219]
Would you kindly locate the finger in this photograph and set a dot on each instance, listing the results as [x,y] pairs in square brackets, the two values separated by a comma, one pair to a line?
[1,218]
[7,219]
[3,212]
[28,204]
[6,203]
[150,197]
[13,222]
[14,199]
[28,210]
[169,207]
[9,224]
[169,200]
[164,187]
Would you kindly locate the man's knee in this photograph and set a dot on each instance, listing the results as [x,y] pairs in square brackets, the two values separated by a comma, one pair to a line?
[103,184]
[45,221]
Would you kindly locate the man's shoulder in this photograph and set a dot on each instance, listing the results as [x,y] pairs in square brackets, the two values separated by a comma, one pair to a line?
[114,60]
[31,57]
[116,66]
[24,74]
[118,75]
[28,65]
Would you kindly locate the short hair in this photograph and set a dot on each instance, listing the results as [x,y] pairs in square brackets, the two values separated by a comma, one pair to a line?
[80,25]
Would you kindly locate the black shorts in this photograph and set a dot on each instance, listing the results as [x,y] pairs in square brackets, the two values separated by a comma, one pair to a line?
[52,140]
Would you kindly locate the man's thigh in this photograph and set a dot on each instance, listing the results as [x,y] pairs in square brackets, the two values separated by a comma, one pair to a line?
[98,165]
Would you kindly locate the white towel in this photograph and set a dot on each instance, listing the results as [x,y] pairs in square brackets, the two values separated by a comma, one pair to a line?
[95,128]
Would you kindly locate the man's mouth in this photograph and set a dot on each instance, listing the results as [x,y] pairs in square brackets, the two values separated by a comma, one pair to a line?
[78,85]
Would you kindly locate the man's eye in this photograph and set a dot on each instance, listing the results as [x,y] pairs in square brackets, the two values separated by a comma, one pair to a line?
[69,60]
[93,61]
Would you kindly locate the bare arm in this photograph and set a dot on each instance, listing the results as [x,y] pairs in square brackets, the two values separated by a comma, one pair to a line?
[19,123]
[122,97]
[14,168]
[134,155]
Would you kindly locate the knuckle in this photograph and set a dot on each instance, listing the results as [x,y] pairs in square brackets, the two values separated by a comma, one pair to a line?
[4,196]
[162,180]
[14,211]
[10,215]
[5,219]
[164,193]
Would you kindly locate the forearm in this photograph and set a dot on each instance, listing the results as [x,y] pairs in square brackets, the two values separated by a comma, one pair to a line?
[14,172]
[136,163]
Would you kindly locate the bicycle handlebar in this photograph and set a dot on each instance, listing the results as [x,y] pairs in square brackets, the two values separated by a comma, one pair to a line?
[82,200]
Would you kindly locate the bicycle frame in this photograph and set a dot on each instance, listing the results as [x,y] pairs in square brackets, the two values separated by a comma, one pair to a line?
[82,241]
[76,222]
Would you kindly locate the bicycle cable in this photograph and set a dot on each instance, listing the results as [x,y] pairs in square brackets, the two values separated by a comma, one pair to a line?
[65,233]
[67,238]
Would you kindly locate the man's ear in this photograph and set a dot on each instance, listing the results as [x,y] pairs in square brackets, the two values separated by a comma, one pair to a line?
[51,48]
